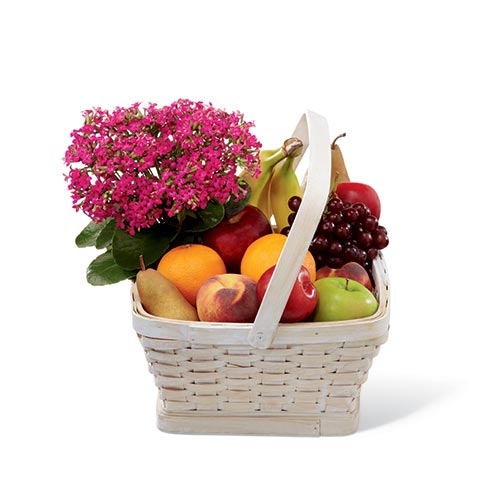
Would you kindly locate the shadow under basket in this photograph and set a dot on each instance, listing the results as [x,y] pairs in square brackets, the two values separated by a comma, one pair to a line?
[266,377]
[307,383]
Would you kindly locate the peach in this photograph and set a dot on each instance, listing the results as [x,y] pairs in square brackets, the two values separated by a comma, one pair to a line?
[227,298]
[351,270]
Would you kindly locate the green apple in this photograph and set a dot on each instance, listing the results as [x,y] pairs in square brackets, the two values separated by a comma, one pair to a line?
[342,299]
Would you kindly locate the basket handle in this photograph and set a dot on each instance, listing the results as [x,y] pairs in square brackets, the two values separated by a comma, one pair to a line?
[312,129]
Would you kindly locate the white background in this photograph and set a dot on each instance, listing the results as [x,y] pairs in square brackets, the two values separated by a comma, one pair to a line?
[408,81]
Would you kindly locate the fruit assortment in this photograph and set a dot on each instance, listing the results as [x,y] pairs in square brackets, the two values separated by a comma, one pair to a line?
[212,260]
[225,278]
[349,230]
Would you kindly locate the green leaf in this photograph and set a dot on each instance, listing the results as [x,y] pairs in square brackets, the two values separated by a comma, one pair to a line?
[104,271]
[205,219]
[187,238]
[233,206]
[105,237]
[151,243]
[88,236]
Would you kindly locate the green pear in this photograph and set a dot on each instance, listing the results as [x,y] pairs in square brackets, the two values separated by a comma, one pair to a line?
[160,297]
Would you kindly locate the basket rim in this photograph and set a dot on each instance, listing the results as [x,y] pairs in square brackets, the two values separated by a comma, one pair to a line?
[370,327]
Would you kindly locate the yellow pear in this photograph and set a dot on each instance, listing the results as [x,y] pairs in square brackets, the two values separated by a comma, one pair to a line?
[160,297]
[338,169]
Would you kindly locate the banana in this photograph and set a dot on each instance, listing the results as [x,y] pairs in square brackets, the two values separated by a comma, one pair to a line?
[284,184]
[260,186]
[338,169]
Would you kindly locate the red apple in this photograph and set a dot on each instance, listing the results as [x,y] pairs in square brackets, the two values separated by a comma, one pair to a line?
[302,299]
[232,236]
[351,270]
[360,192]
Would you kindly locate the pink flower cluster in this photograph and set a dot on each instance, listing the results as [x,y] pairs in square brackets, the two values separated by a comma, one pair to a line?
[140,166]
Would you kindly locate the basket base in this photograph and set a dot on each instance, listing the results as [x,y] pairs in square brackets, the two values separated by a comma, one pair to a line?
[257,425]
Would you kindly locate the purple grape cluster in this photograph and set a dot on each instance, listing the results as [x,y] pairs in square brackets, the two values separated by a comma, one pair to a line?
[346,232]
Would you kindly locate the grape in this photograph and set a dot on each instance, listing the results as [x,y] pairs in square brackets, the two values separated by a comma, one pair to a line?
[347,232]
[364,239]
[362,209]
[335,262]
[335,204]
[335,248]
[343,231]
[285,231]
[372,253]
[335,217]
[380,240]
[294,203]
[350,214]
[320,243]
[370,223]
[357,229]
[351,253]
[291,217]
[361,257]
[325,227]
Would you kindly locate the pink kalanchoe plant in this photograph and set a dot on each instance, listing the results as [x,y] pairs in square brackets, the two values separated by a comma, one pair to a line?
[140,166]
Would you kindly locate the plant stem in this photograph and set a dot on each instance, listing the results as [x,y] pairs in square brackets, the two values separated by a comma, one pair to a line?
[293,147]
[334,141]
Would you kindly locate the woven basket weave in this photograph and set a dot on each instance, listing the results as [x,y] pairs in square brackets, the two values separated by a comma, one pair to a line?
[268,378]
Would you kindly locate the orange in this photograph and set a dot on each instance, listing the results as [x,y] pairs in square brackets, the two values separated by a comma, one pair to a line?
[188,266]
[265,252]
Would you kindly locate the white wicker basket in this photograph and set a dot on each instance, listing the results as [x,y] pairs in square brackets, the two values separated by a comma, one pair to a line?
[268,378]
